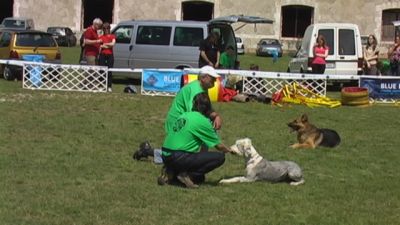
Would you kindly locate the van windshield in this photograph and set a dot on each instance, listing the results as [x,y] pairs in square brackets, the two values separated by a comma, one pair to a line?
[14,23]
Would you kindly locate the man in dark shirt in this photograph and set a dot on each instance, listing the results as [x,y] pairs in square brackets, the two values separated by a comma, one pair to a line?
[209,51]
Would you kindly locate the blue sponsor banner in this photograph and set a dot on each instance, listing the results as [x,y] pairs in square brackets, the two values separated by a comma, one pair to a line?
[381,87]
[161,80]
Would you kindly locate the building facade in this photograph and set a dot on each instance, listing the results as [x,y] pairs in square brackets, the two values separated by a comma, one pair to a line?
[291,17]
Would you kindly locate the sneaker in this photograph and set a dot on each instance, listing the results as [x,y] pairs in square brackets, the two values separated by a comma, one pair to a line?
[109,89]
[185,179]
[166,176]
[144,151]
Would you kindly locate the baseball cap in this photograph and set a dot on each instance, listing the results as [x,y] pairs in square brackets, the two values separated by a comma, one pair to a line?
[209,70]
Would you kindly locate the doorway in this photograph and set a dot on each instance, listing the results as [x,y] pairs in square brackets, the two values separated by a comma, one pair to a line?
[197,10]
[6,9]
[92,9]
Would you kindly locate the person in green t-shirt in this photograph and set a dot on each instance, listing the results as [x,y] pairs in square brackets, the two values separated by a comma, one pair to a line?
[181,149]
[183,101]
[227,60]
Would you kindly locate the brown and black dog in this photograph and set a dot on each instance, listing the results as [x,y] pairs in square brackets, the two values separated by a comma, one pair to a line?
[309,136]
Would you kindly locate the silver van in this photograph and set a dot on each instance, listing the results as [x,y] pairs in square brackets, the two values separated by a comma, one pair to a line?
[345,55]
[170,44]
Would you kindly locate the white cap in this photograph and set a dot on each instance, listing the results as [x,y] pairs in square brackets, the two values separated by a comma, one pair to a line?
[209,70]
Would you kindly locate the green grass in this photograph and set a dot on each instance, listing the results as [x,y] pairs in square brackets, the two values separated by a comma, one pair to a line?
[65,158]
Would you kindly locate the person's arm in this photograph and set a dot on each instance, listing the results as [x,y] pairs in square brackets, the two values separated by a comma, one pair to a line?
[92,42]
[205,58]
[221,147]
[110,44]
[217,63]
[217,120]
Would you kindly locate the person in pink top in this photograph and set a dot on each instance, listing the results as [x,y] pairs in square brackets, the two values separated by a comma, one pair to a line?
[320,53]
[106,57]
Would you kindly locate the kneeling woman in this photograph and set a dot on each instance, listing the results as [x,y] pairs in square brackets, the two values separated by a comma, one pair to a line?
[181,149]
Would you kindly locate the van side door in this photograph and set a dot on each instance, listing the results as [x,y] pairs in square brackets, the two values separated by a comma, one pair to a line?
[347,54]
[152,46]
[185,45]
[123,45]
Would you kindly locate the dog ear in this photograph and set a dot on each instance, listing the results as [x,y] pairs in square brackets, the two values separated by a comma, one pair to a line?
[304,118]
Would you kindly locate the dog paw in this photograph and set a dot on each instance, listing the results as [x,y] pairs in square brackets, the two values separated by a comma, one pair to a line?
[223,181]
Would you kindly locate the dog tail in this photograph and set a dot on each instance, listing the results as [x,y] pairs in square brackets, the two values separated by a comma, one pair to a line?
[330,138]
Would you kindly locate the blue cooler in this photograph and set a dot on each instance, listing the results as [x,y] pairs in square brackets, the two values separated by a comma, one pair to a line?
[35,73]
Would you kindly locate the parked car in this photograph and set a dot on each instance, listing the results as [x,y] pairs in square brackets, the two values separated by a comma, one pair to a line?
[345,55]
[267,47]
[17,23]
[14,44]
[240,45]
[170,44]
[63,35]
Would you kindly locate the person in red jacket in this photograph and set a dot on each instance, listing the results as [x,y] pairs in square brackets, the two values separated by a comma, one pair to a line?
[92,42]
[106,57]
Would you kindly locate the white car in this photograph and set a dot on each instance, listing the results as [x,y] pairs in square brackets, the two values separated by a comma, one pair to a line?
[239,45]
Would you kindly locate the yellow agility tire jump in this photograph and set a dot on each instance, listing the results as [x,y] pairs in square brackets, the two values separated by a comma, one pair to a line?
[355,96]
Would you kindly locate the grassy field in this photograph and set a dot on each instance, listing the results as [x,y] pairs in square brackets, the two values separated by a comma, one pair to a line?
[66,158]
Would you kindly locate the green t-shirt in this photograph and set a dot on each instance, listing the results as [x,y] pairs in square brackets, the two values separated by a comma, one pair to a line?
[190,131]
[183,102]
[226,61]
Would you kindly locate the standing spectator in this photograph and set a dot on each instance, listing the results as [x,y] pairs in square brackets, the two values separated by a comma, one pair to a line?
[92,42]
[106,57]
[320,51]
[209,51]
[394,57]
[227,60]
[371,54]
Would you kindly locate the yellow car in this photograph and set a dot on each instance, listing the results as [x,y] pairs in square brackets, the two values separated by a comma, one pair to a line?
[18,45]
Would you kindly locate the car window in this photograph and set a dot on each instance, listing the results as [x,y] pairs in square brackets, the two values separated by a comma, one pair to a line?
[153,35]
[35,40]
[5,39]
[328,34]
[226,36]
[123,34]
[347,44]
[188,36]
[14,23]
[56,30]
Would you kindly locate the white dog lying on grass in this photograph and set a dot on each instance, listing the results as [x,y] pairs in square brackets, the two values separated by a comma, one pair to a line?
[260,169]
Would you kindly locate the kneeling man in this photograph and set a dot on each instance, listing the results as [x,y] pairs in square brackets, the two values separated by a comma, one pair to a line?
[181,149]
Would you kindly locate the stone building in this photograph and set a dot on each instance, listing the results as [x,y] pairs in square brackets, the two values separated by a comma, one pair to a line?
[291,17]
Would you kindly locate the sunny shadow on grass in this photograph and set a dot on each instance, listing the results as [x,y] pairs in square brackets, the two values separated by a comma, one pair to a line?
[66,159]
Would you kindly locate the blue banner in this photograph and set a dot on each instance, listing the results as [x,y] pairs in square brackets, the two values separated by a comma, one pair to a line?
[161,80]
[381,87]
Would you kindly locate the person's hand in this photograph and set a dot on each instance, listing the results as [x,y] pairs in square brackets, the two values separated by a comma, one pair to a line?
[216,65]
[99,41]
[217,123]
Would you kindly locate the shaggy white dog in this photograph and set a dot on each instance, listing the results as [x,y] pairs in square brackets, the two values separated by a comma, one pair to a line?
[260,169]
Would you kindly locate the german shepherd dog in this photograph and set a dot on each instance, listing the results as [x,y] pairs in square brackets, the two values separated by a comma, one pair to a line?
[309,136]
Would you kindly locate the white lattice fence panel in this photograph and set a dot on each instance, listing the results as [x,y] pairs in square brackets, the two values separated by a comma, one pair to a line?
[45,76]
[268,86]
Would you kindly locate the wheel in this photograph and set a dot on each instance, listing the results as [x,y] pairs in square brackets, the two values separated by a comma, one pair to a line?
[8,73]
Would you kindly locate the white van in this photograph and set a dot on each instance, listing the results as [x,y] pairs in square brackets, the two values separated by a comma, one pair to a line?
[170,44]
[345,50]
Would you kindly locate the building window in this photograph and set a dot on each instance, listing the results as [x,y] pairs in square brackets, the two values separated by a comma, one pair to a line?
[295,20]
[388,16]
